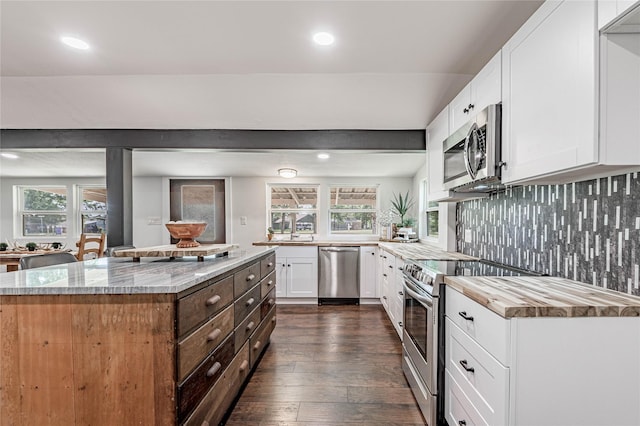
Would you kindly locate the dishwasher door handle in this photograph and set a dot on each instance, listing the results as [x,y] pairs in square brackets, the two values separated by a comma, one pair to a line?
[339,249]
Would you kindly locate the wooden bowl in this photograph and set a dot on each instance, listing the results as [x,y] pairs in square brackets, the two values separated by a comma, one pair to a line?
[186,232]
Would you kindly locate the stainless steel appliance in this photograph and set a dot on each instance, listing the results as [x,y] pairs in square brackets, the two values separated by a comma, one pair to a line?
[423,336]
[338,275]
[472,154]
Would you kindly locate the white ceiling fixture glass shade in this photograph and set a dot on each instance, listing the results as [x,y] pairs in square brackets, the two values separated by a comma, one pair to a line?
[323,38]
[74,42]
[323,156]
[288,173]
[9,155]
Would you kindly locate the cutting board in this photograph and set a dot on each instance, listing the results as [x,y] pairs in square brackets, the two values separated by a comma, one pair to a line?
[173,251]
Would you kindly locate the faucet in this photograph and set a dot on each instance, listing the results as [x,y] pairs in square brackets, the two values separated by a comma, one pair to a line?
[293,236]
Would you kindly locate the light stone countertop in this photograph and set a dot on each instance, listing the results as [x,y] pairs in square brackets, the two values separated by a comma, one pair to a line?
[399,249]
[110,275]
[523,297]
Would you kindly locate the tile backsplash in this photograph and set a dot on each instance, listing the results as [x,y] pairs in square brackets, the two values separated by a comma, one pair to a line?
[587,231]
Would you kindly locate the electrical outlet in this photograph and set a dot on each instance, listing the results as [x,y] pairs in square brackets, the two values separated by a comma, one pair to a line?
[467,235]
[154,220]
[243,220]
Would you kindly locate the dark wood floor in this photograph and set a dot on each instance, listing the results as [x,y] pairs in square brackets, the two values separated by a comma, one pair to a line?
[329,365]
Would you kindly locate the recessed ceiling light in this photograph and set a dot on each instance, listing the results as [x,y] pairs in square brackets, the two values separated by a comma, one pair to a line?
[9,155]
[323,39]
[76,43]
[323,156]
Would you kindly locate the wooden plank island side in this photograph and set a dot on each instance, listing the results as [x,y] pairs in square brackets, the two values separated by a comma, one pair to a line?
[172,251]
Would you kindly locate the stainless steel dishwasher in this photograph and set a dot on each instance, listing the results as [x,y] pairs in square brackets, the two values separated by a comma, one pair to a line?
[339,275]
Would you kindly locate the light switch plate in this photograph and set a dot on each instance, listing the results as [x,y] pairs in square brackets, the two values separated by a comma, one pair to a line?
[154,220]
[243,220]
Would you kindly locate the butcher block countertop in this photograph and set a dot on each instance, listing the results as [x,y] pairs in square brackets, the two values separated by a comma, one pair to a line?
[522,297]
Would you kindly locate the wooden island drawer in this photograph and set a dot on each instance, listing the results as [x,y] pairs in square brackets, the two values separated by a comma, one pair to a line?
[246,278]
[267,304]
[195,308]
[260,338]
[208,372]
[268,265]
[215,403]
[201,342]
[246,304]
[247,327]
[490,330]
[267,284]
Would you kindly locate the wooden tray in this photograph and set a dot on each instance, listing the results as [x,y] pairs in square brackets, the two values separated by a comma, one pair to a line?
[172,251]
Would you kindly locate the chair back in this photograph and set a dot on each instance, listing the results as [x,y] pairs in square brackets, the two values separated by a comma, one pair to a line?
[40,260]
[90,244]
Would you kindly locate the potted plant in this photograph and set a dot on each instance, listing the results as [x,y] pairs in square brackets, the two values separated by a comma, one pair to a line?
[401,206]
[270,233]
[31,246]
[3,246]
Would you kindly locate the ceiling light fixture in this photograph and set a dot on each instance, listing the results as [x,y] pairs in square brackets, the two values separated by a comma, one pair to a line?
[323,39]
[76,43]
[288,173]
[9,155]
[323,156]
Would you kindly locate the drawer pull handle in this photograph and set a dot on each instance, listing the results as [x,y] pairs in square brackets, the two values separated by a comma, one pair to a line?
[390,267]
[250,325]
[384,297]
[464,365]
[464,315]
[250,302]
[250,277]
[213,300]
[384,275]
[244,365]
[213,370]
[214,334]
[401,293]
[269,265]
[269,283]
[462,423]
[257,345]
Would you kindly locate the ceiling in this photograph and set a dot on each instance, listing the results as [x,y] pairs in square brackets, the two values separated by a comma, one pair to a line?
[190,163]
[244,64]
[239,65]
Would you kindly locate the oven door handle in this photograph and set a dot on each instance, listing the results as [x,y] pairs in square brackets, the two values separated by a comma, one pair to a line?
[426,301]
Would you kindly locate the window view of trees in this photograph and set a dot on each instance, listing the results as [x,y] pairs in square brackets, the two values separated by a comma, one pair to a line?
[294,209]
[93,210]
[44,211]
[353,210]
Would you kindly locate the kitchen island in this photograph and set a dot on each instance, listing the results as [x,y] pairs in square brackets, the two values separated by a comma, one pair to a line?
[110,341]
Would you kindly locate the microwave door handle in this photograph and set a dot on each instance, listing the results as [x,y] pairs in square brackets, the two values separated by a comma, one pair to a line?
[467,145]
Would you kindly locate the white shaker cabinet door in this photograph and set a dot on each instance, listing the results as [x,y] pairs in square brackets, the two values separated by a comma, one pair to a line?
[368,272]
[549,92]
[459,112]
[302,277]
[486,87]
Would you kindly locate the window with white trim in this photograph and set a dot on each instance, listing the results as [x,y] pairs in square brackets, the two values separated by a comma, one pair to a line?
[293,209]
[353,209]
[43,211]
[431,212]
[92,209]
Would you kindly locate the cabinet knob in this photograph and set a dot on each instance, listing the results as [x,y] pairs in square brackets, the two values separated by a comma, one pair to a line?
[250,277]
[269,283]
[243,366]
[462,423]
[250,325]
[257,345]
[215,333]
[213,300]
[250,302]
[384,297]
[214,369]
[270,264]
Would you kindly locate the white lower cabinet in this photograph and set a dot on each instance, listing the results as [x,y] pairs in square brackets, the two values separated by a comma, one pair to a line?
[539,370]
[297,272]
[368,272]
[391,295]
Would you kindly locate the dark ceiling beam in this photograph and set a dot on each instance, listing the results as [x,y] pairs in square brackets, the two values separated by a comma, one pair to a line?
[383,140]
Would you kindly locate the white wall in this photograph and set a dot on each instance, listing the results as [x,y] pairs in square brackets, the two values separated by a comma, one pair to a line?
[248,199]
[8,208]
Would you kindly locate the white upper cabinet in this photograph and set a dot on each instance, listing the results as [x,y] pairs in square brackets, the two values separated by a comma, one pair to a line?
[549,92]
[483,90]
[437,132]
[608,10]
[567,105]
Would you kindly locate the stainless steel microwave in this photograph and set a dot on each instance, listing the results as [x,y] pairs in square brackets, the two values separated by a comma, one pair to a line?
[472,155]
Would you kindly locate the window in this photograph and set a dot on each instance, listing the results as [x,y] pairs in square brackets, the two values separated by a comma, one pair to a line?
[93,209]
[353,209]
[293,209]
[431,213]
[43,210]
